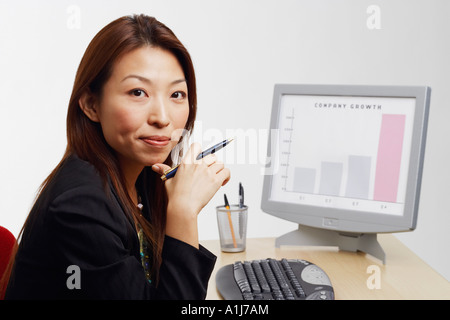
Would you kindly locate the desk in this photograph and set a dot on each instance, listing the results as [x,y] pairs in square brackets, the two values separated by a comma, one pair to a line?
[405,276]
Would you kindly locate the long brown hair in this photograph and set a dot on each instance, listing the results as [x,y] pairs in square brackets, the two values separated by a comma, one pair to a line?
[85,137]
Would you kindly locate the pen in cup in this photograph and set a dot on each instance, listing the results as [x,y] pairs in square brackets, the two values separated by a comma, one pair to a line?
[241,205]
[241,195]
[171,172]
[227,206]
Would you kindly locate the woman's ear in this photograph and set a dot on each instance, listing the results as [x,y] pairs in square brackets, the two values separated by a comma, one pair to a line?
[88,104]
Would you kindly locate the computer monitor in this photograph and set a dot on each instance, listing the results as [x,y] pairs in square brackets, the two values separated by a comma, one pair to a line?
[345,162]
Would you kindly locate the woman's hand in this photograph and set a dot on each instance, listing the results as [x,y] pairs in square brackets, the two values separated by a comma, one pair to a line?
[190,190]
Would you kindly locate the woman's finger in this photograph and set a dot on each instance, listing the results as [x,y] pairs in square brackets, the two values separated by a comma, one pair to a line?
[217,166]
[224,175]
[160,168]
[191,156]
[209,159]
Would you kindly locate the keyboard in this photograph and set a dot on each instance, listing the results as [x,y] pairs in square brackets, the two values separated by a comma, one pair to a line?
[271,279]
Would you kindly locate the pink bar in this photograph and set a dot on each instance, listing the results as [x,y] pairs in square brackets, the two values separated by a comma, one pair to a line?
[389,157]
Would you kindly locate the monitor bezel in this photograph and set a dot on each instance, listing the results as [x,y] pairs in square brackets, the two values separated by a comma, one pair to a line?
[354,220]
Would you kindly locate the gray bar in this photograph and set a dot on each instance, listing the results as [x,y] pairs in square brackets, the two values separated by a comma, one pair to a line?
[304,180]
[330,178]
[358,177]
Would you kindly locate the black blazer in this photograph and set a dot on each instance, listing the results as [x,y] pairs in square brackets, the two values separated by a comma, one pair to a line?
[81,224]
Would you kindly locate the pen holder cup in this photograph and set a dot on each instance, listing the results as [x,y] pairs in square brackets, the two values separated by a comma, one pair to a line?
[232,224]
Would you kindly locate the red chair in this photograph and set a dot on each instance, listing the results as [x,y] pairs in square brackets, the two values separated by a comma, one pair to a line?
[7,241]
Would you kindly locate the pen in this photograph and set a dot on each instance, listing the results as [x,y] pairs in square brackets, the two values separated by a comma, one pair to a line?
[171,172]
[227,206]
[241,195]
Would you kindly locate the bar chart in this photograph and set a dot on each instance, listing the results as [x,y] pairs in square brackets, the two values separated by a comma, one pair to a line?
[345,151]
[387,171]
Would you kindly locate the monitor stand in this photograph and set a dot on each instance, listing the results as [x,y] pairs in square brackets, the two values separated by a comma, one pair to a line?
[347,241]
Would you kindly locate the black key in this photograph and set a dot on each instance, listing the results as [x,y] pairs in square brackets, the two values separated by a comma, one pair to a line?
[260,276]
[269,275]
[251,277]
[277,294]
[287,293]
[278,274]
[293,279]
[241,278]
[247,296]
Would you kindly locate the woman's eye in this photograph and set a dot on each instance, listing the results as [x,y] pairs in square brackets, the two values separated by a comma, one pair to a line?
[137,92]
[179,95]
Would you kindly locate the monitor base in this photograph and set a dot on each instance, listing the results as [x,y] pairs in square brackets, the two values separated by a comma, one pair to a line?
[346,241]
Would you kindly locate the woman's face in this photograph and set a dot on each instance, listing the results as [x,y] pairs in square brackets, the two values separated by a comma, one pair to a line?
[144,106]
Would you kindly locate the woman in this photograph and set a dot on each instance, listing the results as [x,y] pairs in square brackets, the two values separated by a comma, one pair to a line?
[104,224]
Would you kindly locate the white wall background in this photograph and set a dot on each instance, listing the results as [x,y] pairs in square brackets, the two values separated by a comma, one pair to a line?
[240,48]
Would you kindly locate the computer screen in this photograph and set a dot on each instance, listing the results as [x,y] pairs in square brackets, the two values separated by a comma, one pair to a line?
[346,158]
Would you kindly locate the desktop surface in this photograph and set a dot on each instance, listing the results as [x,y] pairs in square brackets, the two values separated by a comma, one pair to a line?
[353,275]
